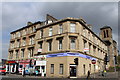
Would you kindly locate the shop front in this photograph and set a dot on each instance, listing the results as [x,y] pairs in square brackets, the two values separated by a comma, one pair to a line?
[40,64]
[11,66]
[25,64]
[70,65]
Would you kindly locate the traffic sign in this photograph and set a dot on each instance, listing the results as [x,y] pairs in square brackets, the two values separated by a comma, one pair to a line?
[93,61]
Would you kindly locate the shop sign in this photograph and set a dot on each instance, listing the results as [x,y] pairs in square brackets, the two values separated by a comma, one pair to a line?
[86,49]
[39,50]
[71,54]
[40,62]
[11,61]
[41,57]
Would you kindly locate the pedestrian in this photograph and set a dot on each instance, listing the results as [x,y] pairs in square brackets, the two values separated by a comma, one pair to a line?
[105,73]
[88,74]
[23,72]
[36,72]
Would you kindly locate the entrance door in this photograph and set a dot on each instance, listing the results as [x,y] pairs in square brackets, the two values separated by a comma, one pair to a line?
[73,70]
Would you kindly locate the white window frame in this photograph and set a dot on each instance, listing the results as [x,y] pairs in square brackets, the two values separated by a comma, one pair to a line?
[72,43]
[52,69]
[72,27]
[22,53]
[50,31]
[61,69]
[49,45]
[60,29]
[60,44]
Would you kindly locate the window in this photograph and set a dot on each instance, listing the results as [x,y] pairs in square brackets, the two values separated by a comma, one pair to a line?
[94,67]
[22,53]
[89,47]
[34,28]
[98,52]
[52,69]
[14,35]
[72,43]
[85,43]
[49,45]
[93,38]
[72,27]
[40,45]
[61,69]
[94,49]
[90,66]
[50,31]
[24,42]
[11,55]
[41,33]
[88,35]
[31,41]
[49,21]
[30,52]
[84,69]
[16,54]
[18,34]
[60,29]
[104,34]
[84,31]
[60,44]
[12,45]
[107,33]
[18,43]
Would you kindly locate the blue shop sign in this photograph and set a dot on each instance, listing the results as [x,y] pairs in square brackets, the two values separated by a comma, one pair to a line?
[71,54]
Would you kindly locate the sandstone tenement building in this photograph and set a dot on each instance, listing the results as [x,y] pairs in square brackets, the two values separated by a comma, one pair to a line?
[61,42]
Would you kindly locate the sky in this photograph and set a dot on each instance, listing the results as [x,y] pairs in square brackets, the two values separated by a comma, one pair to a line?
[15,15]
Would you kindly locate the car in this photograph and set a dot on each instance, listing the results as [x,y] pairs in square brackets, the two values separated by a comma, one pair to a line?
[2,71]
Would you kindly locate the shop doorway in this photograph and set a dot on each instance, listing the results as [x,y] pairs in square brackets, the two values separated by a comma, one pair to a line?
[73,70]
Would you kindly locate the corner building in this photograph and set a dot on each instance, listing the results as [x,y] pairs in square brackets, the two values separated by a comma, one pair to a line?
[61,41]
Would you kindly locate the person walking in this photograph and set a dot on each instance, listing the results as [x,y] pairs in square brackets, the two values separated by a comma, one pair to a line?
[105,73]
[88,74]
[36,72]
[23,72]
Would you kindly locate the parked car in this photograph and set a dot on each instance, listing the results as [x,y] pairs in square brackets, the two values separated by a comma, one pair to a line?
[3,70]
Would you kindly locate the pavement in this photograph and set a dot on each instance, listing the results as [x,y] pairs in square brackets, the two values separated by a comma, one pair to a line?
[96,76]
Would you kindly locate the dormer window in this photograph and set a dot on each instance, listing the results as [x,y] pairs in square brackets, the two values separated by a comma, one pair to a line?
[49,21]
